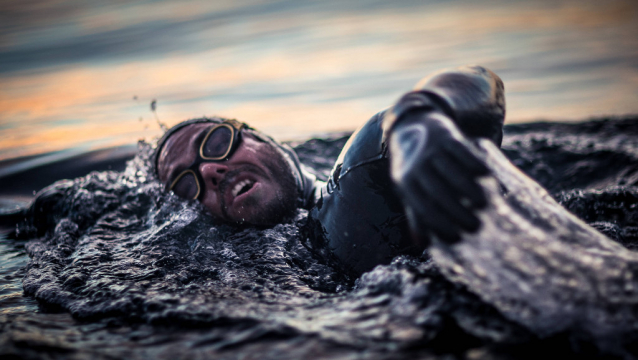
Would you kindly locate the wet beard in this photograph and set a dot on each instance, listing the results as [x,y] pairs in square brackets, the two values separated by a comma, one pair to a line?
[282,206]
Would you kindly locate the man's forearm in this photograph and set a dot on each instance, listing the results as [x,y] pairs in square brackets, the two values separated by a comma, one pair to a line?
[472,97]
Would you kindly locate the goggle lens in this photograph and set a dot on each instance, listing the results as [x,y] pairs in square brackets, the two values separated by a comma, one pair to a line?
[186,186]
[218,143]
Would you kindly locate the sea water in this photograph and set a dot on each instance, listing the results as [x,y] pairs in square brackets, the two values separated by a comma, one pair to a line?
[144,273]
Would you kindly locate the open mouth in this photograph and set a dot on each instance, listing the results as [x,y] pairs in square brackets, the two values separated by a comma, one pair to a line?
[242,187]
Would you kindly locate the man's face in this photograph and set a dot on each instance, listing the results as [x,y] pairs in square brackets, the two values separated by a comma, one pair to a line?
[254,185]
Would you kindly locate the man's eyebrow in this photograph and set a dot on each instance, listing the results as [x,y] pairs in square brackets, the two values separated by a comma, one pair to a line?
[197,143]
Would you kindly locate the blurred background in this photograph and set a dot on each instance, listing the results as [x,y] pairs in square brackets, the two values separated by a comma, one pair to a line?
[81,74]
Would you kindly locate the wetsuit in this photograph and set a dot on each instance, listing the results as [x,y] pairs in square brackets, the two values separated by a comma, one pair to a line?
[358,214]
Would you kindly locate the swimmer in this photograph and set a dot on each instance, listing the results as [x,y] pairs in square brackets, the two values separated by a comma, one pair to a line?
[426,174]
[406,175]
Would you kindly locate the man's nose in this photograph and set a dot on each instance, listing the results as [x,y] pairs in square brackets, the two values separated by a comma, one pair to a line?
[212,172]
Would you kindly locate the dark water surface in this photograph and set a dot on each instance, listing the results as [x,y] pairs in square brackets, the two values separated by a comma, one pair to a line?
[13,259]
[120,268]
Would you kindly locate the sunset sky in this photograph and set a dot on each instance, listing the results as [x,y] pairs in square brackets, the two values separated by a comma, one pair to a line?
[83,73]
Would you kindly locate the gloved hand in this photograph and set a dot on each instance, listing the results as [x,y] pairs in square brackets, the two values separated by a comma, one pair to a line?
[436,176]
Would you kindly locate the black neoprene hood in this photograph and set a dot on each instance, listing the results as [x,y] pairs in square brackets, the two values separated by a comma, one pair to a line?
[304,180]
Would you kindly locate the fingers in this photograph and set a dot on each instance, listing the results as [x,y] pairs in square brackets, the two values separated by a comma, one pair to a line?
[464,157]
[448,202]
[425,217]
[434,191]
[436,209]
[458,179]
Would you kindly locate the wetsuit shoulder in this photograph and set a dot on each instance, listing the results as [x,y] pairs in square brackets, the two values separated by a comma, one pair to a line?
[358,217]
[365,145]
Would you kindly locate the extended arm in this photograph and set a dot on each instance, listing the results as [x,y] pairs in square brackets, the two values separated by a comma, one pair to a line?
[534,261]
[429,132]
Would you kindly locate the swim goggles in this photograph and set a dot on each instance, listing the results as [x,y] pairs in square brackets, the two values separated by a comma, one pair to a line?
[218,145]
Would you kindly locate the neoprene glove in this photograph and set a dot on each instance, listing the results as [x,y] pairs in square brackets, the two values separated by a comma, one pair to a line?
[428,132]
[435,174]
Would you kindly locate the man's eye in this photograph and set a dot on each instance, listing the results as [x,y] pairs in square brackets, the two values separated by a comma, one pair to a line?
[217,143]
[186,187]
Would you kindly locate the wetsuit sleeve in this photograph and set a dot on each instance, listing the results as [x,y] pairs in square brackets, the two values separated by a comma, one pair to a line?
[472,97]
